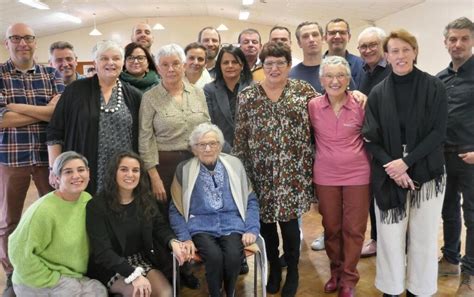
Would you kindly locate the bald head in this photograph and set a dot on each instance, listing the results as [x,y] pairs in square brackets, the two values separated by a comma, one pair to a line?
[142,34]
[20,42]
[18,27]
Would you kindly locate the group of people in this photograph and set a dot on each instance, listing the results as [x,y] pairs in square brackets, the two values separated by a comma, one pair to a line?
[203,149]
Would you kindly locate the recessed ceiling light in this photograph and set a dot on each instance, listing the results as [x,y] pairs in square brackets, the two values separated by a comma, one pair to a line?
[68,17]
[35,4]
[244,15]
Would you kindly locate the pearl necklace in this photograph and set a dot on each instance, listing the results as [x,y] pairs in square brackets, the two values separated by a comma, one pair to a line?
[119,100]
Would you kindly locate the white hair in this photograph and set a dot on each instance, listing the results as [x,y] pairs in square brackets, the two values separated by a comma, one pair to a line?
[334,60]
[373,30]
[170,50]
[203,129]
[105,45]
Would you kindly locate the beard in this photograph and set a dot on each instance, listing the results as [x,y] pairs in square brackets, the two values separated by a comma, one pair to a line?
[212,54]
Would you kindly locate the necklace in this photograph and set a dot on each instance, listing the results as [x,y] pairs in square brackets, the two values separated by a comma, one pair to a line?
[119,100]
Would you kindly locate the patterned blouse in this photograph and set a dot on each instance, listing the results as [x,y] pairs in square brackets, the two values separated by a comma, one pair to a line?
[273,140]
[115,134]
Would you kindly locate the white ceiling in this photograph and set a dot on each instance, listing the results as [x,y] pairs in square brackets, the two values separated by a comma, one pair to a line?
[269,12]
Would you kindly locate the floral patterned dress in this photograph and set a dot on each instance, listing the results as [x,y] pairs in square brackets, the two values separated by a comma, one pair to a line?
[273,140]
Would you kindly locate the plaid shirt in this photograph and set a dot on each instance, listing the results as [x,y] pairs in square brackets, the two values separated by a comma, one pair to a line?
[26,146]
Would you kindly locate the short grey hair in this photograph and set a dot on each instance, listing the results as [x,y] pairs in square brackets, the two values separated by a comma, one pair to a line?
[459,23]
[170,50]
[334,60]
[65,157]
[60,45]
[373,30]
[106,45]
[203,129]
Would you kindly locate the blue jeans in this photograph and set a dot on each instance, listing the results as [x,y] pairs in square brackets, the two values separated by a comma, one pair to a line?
[460,180]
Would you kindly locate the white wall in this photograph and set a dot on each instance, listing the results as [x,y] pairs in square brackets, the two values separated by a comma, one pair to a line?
[426,21]
[180,30]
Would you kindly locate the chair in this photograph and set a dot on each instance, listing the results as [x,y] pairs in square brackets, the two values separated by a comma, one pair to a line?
[260,261]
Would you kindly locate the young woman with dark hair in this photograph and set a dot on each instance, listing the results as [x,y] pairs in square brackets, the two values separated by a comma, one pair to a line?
[125,228]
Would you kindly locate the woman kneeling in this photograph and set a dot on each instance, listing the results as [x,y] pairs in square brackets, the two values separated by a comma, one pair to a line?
[49,249]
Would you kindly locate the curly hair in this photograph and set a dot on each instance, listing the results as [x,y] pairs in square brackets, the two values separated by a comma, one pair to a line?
[142,194]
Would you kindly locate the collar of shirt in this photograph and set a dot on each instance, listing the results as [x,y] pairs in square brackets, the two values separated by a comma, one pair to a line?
[469,64]
[348,105]
[348,56]
[257,65]
[12,68]
[382,63]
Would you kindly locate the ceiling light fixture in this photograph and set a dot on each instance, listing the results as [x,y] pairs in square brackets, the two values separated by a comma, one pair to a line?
[244,15]
[95,32]
[247,2]
[158,26]
[35,4]
[68,17]
[222,27]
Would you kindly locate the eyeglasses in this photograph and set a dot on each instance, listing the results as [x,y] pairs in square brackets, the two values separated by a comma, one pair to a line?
[335,32]
[368,46]
[174,65]
[278,64]
[139,59]
[18,38]
[338,76]
[203,145]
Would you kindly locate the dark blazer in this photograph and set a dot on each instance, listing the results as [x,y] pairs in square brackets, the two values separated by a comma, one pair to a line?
[107,241]
[219,108]
[75,121]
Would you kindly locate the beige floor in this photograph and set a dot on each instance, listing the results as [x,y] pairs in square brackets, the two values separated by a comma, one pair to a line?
[314,270]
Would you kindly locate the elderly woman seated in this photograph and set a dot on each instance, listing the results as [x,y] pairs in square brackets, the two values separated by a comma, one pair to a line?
[214,209]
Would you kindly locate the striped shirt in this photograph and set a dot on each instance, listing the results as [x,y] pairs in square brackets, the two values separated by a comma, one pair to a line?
[26,146]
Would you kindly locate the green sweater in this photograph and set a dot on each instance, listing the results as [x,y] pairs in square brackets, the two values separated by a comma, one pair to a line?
[50,241]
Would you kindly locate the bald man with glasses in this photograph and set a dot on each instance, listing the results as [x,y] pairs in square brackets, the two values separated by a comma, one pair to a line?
[28,98]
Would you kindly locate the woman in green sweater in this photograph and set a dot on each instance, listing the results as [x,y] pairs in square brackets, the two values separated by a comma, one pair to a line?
[49,249]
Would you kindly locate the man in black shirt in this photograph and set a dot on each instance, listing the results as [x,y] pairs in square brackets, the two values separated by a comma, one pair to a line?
[458,78]
[375,65]
[375,69]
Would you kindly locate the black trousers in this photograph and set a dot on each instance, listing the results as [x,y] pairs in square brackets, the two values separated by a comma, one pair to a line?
[290,233]
[221,257]
[460,180]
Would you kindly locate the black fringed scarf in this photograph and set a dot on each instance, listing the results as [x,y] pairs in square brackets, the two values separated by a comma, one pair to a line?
[426,123]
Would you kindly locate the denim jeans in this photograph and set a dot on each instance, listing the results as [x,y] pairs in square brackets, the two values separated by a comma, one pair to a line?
[460,180]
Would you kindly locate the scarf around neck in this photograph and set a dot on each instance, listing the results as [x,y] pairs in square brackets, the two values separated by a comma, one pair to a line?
[382,126]
[144,83]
